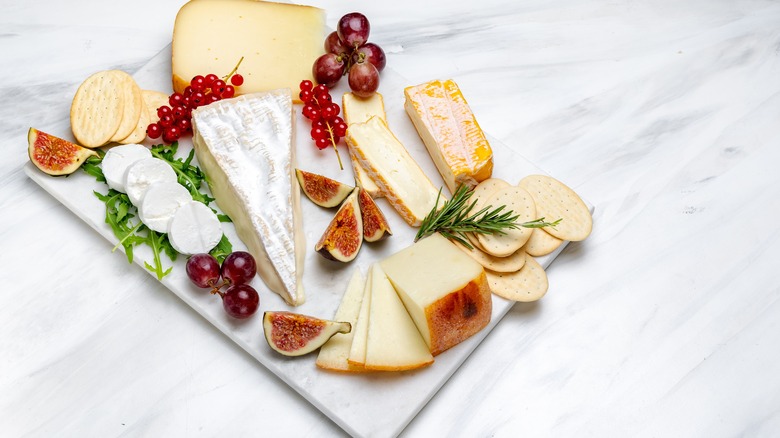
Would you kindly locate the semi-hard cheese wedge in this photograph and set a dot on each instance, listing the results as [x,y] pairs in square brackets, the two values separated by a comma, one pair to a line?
[445,291]
[357,351]
[393,342]
[334,354]
[246,147]
[278,42]
[450,133]
[389,164]
[359,110]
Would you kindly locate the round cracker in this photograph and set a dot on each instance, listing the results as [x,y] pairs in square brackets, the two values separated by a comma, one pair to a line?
[472,237]
[541,243]
[527,284]
[96,110]
[484,190]
[520,202]
[554,200]
[511,263]
[139,133]
[153,100]
[132,102]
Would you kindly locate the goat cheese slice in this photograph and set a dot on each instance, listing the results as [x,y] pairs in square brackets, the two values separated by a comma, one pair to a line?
[246,147]
[143,173]
[118,159]
[194,229]
[161,203]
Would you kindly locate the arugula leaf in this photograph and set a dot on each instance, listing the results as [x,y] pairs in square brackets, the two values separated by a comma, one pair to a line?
[223,248]
[92,166]
[118,218]
[158,241]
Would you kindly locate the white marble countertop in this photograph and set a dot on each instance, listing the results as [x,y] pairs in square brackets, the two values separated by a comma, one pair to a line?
[665,322]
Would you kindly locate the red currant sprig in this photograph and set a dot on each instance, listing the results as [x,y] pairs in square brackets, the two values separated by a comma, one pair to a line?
[175,119]
[327,128]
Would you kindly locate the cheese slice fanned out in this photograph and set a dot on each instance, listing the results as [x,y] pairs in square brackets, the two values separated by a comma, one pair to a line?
[357,351]
[389,164]
[450,132]
[246,145]
[359,110]
[334,354]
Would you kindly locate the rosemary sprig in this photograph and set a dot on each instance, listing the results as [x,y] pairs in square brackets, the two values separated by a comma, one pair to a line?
[455,219]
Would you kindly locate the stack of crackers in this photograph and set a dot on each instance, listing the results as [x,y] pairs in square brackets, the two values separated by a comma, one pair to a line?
[508,258]
[109,107]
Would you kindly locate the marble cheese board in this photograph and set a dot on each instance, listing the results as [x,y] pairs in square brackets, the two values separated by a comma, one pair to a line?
[366,405]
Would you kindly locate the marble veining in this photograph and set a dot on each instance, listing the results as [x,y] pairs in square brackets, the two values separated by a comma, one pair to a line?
[665,322]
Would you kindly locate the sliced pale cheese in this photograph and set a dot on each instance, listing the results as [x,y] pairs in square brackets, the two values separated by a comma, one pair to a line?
[450,132]
[278,42]
[143,173]
[389,164]
[393,342]
[161,203]
[445,291]
[194,229]
[118,159]
[357,351]
[359,110]
[334,354]
[246,147]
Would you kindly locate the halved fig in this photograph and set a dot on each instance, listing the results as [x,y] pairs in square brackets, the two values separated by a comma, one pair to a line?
[293,334]
[322,190]
[343,238]
[375,226]
[54,155]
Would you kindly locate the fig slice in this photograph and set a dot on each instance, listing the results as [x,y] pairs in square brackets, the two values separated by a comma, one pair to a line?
[322,190]
[375,226]
[293,334]
[343,238]
[55,156]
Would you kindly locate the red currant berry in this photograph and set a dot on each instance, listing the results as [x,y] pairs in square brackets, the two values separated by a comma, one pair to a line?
[323,99]
[317,133]
[178,112]
[210,78]
[184,125]
[322,143]
[328,113]
[319,124]
[340,129]
[186,102]
[307,110]
[336,139]
[212,98]
[166,121]
[198,99]
[314,114]
[336,108]
[171,134]
[229,92]
[306,96]
[337,120]
[164,111]
[176,99]
[188,91]
[306,85]
[198,83]
[237,80]
[319,89]
[154,130]
[218,86]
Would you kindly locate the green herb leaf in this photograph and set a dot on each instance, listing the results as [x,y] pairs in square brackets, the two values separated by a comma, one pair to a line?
[223,248]
[188,175]
[92,166]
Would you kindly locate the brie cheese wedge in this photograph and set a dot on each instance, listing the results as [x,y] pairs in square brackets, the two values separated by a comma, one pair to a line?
[246,147]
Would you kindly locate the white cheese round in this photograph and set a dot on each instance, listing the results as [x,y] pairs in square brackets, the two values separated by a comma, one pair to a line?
[118,159]
[161,203]
[143,173]
[194,229]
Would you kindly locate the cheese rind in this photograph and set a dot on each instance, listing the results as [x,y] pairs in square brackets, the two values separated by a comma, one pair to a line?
[246,147]
[390,166]
[393,342]
[278,42]
[444,290]
[450,132]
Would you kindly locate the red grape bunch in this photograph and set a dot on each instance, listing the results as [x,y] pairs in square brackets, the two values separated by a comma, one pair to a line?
[176,120]
[350,53]
[240,300]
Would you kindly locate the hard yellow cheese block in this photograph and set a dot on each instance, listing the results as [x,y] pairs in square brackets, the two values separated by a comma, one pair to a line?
[335,353]
[450,132]
[389,164]
[279,42]
[393,342]
[445,291]
[359,110]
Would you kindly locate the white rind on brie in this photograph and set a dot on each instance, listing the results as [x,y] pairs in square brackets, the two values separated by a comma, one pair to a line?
[246,147]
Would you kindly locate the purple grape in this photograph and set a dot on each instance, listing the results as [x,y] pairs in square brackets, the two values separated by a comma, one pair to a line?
[203,270]
[371,53]
[353,29]
[328,69]
[363,79]
[333,44]
[240,301]
[239,267]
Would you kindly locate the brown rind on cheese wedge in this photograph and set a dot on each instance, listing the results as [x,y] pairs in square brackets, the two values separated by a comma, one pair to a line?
[450,132]
[444,290]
